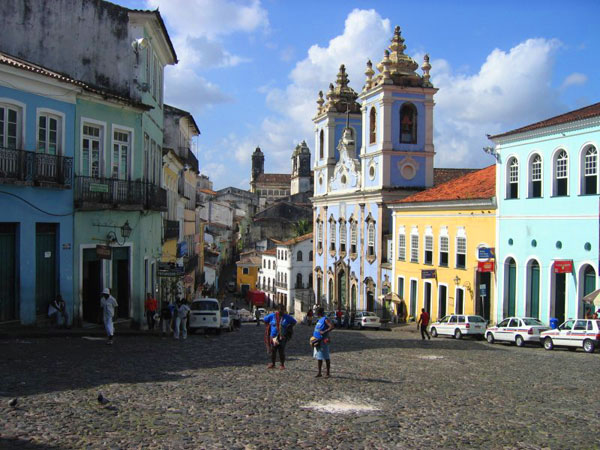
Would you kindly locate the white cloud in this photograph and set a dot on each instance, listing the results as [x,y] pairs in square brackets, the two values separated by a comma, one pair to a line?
[186,89]
[575,79]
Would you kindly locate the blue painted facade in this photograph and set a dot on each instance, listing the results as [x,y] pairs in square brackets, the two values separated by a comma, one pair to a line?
[542,225]
[36,195]
[359,170]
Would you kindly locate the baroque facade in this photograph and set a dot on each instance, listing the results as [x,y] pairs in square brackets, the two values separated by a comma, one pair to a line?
[371,148]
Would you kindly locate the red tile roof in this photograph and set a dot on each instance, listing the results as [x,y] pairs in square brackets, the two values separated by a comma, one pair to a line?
[572,116]
[442,175]
[274,178]
[270,252]
[295,240]
[480,184]
[208,191]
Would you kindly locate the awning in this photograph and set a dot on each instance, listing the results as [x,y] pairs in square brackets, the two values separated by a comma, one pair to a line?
[390,296]
[593,297]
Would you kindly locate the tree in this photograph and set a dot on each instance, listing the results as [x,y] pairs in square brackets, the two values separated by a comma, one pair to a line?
[302,227]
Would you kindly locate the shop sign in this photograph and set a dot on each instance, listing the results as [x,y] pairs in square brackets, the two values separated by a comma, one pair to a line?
[98,187]
[563,266]
[483,290]
[103,252]
[486,252]
[485,266]
[428,274]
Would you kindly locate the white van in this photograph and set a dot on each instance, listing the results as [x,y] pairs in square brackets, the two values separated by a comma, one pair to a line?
[206,314]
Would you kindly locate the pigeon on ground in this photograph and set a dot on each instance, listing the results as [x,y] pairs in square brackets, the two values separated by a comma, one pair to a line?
[12,402]
[102,400]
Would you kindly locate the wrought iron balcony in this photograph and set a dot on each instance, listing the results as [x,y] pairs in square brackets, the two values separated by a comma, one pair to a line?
[281,285]
[37,169]
[171,229]
[104,193]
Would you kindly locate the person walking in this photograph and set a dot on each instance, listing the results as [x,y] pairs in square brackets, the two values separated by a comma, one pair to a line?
[151,305]
[183,311]
[278,331]
[57,311]
[257,316]
[309,317]
[422,323]
[165,319]
[321,342]
[108,304]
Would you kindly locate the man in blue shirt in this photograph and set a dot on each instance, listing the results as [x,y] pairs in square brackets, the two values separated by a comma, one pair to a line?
[279,326]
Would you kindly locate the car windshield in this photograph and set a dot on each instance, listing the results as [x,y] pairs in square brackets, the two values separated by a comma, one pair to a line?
[532,322]
[204,305]
[476,319]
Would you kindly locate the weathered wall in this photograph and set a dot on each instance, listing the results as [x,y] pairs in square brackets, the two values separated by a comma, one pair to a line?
[87,39]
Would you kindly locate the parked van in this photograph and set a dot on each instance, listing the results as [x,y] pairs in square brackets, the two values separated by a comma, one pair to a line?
[206,314]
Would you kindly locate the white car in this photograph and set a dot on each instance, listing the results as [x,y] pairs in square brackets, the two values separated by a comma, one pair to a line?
[206,313]
[459,325]
[226,320]
[367,319]
[516,329]
[572,334]
[245,315]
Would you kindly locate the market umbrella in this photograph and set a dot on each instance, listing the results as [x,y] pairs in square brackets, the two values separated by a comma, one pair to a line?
[593,298]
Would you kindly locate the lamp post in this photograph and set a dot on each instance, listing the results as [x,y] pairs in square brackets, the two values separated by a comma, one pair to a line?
[125,233]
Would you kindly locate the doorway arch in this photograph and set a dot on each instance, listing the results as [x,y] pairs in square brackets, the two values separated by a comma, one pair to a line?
[587,285]
[510,287]
[532,308]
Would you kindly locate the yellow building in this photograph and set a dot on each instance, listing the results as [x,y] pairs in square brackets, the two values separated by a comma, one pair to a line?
[438,234]
[247,271]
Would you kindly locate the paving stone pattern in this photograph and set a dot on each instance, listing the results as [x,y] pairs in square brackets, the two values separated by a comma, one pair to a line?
[216,392]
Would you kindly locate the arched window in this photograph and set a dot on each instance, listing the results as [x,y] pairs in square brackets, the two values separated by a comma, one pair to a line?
[561,174]
[310,255]
[319,236]
[408,124]
[299,281]
[588,285]
[332,236]
[512,178]
[533,289]
[535,176]
[10,126]
[590,171]
[321,144]
[371,240]
[299,256]
[343,236]
[353,235]
[372,126]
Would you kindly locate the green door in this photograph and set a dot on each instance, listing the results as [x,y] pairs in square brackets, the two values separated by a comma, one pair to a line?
[8,299]
[589,286]
[45,266]
[511,287]
[413,298]
[120,280]
[534,289]
[560,296]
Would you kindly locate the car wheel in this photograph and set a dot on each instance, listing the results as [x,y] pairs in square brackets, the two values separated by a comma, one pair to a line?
[490,338]
[589,346]
[548,344]
[434,332]
[457,334]
[519,341]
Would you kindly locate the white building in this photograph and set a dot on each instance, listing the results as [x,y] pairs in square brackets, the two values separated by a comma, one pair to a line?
[267,275]
[293,280]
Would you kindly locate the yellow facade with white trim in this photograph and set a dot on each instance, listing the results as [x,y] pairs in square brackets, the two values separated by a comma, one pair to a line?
[478,225]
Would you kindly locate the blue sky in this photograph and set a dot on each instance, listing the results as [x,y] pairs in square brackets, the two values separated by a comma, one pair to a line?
[250,70]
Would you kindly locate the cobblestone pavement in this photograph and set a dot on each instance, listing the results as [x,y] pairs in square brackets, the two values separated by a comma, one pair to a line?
[393,390]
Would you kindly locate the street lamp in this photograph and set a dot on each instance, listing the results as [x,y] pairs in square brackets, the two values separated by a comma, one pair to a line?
[456,280]
[125,233]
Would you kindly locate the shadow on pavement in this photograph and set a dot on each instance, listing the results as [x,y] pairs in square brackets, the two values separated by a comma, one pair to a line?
[19,444]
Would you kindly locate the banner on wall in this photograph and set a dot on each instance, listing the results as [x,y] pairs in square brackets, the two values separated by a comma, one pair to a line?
[563,266]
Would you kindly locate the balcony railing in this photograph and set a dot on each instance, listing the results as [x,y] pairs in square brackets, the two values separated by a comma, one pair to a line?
[94,193]
[171,229]
[21,166]
[281,285]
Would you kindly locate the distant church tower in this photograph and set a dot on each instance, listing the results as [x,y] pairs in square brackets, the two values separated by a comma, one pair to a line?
[300,169]
[258,167]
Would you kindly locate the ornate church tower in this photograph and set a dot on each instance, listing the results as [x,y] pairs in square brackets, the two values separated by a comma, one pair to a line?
[300,169]
[258,167]
[341,107]
[397,115]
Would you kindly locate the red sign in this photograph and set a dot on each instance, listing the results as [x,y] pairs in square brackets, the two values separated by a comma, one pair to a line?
[485,266]
[103,252]
[563,266]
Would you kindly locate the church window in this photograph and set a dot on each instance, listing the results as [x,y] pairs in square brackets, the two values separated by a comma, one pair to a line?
[408,124]
[561,174]
[353,235]
[372,126]
[343,237]
[512,185]
[535,174]
[371,239]
[319,235]
[590,171]
[321,144]
[332,236]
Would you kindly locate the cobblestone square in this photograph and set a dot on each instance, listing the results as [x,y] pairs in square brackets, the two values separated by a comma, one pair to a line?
[388,390]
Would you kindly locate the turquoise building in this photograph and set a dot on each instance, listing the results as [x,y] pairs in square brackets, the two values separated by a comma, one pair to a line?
[548,215]
[37,114]
[372,148]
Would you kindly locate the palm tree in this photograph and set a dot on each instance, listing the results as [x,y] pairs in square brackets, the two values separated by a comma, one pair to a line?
[302,227]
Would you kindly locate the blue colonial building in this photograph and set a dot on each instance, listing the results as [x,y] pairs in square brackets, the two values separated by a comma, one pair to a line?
[37,116]
[548,215]
[371,149]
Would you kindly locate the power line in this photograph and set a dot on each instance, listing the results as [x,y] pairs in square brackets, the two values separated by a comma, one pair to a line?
[35,207]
